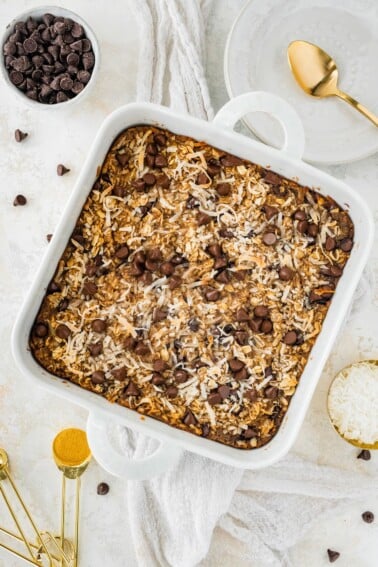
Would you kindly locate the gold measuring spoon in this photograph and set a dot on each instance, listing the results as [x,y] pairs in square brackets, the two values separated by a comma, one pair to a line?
[316,73]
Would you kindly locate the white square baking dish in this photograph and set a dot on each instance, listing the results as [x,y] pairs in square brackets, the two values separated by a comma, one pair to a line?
[286,162]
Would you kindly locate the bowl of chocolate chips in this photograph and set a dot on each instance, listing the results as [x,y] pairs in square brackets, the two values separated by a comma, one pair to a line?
[50,57]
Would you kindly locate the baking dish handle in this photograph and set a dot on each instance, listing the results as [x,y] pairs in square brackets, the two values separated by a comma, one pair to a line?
[269,103]
[164,458]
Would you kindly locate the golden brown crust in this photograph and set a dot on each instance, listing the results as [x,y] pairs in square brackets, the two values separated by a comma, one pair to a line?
[193,287]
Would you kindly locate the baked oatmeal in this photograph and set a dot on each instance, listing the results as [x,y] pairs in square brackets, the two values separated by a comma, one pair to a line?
[193,287]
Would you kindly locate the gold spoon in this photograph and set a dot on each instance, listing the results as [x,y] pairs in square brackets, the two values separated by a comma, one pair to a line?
[316,73]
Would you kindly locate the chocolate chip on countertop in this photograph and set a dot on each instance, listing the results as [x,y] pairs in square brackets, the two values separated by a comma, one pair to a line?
[41,330]
[189,418]
[132,390]
[61,169]
[19,201]
[286,274]
[332,555]
[98,377]
[365,455]
[62,331]
[102,489]
[19,135]
[269,238]
[98,325]
[368,517]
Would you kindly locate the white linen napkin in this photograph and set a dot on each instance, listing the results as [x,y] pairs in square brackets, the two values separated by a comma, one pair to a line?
[172,517]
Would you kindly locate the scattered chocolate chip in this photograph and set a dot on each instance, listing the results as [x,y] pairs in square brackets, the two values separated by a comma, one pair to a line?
[19,135]
[102,489]
[132,389]
[119,373]
[90,288]
[159,365]
[365,455]
[98,377]
[49,237]
[123,159]
[242,315]
[61,169]
[330,244]
[194,325]
[255,324]
[249,433]
[368,517]
[129,343]
[270,211]
[203,218]
[332,555]
[151,149]
[261,311]
[215,250]
[149,179]
[19,201]
[241,337]
[189,418]
[41,330]
[223,189]
[62,305]
[230,161]
[272,178]
[332,270]
[160,139]
[157,379]
[302,226]
[241,375]
[178,259]
[213,167]
[251,395]
[286,274]
[300,215]
[346,244]
[220,262]
[16,77]
[171,392]
[159,314]
[266,326]
[226,233]
[269,238]
[192,202]
[321,295]
[235,364]
[214,398]
[123,252]
[290,338]
[271,392]
[313,230]
[141,348]
[63,332]
[95,349]
[224,391]
[161,161]
[181,376]
[212,294]
[167,268]
[205,430]
[174,282]
[98,325]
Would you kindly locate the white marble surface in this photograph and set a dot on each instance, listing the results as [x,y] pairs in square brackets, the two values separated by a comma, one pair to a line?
[29,418]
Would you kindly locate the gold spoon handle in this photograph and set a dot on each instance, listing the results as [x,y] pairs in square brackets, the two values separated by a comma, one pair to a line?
[372,117]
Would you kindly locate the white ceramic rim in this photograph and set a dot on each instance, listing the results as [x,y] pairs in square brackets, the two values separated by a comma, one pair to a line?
[260,135]
[37,12]
[220,135]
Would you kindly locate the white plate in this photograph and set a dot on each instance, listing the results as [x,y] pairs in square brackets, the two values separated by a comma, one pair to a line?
[256,59]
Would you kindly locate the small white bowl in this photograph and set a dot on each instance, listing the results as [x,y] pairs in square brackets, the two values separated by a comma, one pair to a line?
[37,13]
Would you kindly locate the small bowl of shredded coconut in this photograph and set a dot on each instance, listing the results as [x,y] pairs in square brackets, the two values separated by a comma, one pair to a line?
[353,404]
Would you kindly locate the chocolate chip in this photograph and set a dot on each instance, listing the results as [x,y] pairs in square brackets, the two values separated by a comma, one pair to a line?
[149,179]
[269,238]
[139,184]
[242,315]
[332,270]
[302,226]
[270,211]
[332,555]
[167,268]
[90,288]
[159,315]
[119,374]
[215,250]
[160,139]
[230,161]
[77,30]
[205,430]
[49,237]
[272,178]
[129,343]
[16,77]
[95,349]
[261,311]
[192,202]
[214,398]
[222,277]
[181,376]
[249,433]
[83,76]
[213,167]
[159,365]
[266,326]
[235,364]
[203,218]
[212,294]
[132,389]
[251,395]
[53,287]
[61,169]
[189,418]
[98,325]
[290,338]
[157,379]
[194,325]
[63,332]
[223,189]
[98,377]
[365,455]
[123,252]
[19,135]
[174,282]
[41,330]
[313,230]
[19,201]
[368,517]
[178,259]
[226,233]
[241,337]
[102,489]
[161,161]
[163,181]
[271,392]
[286,274]
[321,295]
[88,60]
[330,244]
[346,244]
[73,59]
[255,324]
[241,375]
[224,391]
[141,348]
[122,159]
[151,149]
[62,305]
[220,262]
[171,392]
